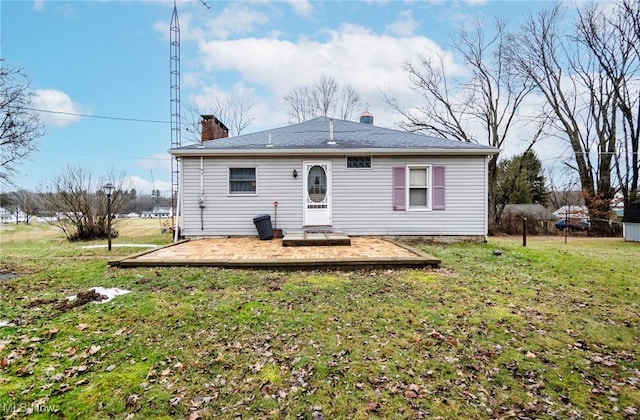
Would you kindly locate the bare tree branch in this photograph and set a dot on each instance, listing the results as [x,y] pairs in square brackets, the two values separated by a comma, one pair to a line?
[235,112]
[323,98]
[19,126]
[487,103]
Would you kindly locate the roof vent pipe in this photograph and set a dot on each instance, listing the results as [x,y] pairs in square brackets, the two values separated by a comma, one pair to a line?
[331,131]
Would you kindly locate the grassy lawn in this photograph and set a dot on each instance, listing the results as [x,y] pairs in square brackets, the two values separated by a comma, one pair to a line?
[551,330]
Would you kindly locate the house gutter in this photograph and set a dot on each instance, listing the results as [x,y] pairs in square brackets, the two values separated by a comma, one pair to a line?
[333,152]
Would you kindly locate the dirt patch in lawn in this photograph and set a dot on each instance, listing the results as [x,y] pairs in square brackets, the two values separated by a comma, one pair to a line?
[64,305]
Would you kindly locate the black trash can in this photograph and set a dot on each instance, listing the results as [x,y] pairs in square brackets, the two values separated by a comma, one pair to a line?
[263,224]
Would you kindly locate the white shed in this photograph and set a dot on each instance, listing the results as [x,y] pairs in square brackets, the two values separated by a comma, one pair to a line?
[631,222]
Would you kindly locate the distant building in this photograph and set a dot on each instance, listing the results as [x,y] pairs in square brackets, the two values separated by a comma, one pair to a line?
[157,213]
[536,214]
[9,216]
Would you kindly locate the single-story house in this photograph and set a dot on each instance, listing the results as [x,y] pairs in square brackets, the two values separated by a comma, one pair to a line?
[11,216]
[631,222]
[536,215]
[157,213]
[330,174]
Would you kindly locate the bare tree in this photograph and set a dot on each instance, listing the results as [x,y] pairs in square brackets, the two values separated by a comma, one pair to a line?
[486,105]
[235,112]
[613,40]
[580,100]
[79,205]
[564,187]
[322,99]
[26,203]
[20,125]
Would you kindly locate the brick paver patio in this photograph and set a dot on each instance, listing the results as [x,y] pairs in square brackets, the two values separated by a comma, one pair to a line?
[253,252]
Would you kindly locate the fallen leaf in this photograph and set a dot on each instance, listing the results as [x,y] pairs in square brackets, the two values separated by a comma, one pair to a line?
[410,394]
[82,327]
[453,341]
[94,349]
[110,368]
[120,331]
[82,382]
[132,400]
[50,332]
[25,370]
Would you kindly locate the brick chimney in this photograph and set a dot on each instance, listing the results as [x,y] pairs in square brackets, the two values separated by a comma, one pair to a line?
[212,128]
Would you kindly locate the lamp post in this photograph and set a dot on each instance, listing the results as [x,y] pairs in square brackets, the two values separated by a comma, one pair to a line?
[108,189]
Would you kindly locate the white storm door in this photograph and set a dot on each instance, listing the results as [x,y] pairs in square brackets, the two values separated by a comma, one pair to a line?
[317,194]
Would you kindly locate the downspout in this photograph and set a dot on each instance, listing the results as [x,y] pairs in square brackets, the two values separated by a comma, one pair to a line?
[178,209]
[486,196]
[201,200]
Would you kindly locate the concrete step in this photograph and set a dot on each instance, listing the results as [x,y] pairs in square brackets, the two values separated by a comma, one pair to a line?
[311,238]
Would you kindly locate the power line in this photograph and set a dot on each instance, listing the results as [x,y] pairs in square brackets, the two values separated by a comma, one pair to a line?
[97,116]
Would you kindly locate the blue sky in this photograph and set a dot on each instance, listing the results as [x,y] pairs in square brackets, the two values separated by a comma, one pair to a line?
[111,59]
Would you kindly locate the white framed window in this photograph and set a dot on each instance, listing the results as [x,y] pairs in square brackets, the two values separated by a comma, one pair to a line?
[419,187]
[358,162]
[243,181]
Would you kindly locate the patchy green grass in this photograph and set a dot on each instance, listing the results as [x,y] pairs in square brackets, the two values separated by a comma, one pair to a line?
[551,330]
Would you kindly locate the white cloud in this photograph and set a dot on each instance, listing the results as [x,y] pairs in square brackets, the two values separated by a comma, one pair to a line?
[476,2]
[145,186]
[38,5]
[302,7]
[405,25]
[161,161]
[235,19]
[351,54]
[58,102]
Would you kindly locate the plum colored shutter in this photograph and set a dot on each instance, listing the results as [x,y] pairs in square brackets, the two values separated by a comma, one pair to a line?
[438,188]
[399,182]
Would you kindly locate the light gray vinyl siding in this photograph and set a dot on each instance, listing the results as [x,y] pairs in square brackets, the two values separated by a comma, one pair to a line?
[631,231]
[362,198]
[231,215]
[365,207]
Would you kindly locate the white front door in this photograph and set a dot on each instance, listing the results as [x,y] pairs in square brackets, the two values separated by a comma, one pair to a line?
[317,193]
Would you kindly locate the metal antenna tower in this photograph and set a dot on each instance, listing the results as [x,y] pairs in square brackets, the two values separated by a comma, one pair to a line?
[176,139]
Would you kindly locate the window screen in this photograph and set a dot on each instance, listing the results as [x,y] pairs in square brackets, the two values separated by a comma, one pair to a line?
[242,180]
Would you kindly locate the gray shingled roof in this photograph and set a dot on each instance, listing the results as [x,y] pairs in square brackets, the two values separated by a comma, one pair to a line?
[632,214]
[314,135]
[537,211]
